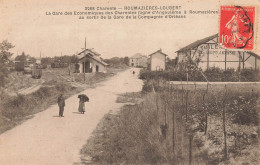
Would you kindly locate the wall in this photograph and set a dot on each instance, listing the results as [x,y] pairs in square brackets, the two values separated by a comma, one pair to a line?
[133,62]
[158,61]
[93,64]
[101,67]
[217,56]
[142,62]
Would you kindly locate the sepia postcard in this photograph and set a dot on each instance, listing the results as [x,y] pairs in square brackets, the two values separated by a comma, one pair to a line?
[126,82]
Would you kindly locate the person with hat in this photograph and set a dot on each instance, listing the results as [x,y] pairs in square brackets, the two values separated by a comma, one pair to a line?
[61,103]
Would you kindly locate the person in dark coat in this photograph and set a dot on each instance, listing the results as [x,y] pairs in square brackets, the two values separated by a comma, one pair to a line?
[61,103]
[81,106]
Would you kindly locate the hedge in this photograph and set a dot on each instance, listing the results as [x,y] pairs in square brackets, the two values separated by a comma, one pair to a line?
[212,74]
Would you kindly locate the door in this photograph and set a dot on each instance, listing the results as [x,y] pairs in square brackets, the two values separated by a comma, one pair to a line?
[97,68]
[86,67]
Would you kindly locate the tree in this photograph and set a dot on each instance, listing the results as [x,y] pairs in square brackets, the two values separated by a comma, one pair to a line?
[47,60]
[5,55]
[126,60]
[74,59]
[171,63]
[32,59]
[21,57]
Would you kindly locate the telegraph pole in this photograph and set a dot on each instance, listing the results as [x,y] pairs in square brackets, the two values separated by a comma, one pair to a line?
[84,69]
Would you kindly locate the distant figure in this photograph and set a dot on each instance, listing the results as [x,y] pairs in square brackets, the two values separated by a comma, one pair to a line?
[133,72]
[81,106]
[61,103]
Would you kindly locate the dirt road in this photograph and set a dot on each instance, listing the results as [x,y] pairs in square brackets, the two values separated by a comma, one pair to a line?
[48,139]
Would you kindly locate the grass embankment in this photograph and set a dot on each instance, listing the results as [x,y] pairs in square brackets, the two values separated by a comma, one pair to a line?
[165,128]
[15,109]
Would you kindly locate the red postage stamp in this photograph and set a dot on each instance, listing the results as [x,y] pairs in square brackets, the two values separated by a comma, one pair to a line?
[237,27]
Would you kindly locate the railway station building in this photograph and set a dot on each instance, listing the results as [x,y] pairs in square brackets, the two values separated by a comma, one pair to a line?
[90,61]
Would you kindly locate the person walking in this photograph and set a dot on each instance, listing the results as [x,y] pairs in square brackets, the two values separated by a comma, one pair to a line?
[61,103]
[81,106]
[82,99]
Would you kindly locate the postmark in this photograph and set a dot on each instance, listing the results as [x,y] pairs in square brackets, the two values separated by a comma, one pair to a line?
[237,27]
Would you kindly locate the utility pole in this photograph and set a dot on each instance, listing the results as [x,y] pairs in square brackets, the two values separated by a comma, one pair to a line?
[243,61]
[84,69]
[224,126]
[190,150]
[225,59]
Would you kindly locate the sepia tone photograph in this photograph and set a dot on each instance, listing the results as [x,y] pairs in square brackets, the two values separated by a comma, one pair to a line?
[125,82]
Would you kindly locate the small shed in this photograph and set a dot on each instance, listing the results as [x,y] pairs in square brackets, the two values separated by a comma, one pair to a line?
[157,61]
[90,61]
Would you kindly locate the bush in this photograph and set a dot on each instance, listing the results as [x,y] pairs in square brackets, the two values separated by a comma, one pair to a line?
[244,108]
[20,106]
[61,87]
[250,75]
[12,107]
[230,75]
[213,74]
[156,85]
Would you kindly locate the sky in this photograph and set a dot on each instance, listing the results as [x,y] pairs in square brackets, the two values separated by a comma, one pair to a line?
[25,24]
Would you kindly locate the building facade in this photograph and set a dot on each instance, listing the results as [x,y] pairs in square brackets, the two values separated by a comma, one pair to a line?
[210,54]
[157,61]
[90,61]
[138,60]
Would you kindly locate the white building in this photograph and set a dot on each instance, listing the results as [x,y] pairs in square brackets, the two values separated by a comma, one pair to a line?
[157,61]
[90,61]
[138,60]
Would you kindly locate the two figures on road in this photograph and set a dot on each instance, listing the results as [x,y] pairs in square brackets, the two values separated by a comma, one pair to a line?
[82,99]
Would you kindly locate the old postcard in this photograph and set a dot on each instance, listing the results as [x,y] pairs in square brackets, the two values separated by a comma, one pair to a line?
[129,82]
